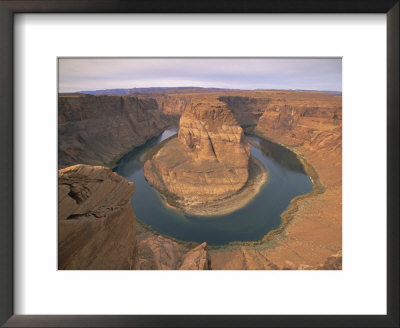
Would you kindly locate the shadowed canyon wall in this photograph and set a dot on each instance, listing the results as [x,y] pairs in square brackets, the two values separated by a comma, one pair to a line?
[247,110]
[97,130]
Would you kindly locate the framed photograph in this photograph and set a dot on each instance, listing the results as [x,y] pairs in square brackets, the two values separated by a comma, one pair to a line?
[199,165]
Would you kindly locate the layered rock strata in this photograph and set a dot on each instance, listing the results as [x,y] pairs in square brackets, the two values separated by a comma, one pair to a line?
[174,105]
[208,161]
[97,228]
[312,236]
[96,224]
[247,110]
[98,130]
[161,253]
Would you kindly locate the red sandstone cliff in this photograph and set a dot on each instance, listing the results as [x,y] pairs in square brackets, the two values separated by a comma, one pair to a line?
[97,130]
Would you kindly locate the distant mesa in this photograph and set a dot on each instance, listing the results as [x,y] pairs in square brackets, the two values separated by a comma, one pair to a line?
[182,89]
[131,91]
[207,162]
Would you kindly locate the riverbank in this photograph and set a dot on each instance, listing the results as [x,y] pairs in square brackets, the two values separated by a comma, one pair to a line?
[311,229]
[258,176]
[257,179]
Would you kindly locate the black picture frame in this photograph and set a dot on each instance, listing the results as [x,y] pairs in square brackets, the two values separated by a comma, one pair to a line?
[7,10]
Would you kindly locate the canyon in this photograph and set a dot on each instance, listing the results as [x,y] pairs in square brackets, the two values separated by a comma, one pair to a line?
[98,130]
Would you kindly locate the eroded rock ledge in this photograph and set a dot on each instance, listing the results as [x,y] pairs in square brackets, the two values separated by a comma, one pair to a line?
[160,253]
[97,228]
[96,224]
[208,162]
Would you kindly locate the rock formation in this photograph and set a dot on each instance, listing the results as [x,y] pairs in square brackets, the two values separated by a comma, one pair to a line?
[158,253]
[96,224]
[98,130]
[208,161]
[196,259]
[97,227]
[161,253]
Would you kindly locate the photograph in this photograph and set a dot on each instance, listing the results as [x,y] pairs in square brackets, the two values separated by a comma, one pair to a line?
[199,163]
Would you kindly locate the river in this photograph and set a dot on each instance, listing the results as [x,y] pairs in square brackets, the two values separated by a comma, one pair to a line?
[286,180]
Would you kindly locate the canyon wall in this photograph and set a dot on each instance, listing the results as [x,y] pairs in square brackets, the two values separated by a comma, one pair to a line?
[311,126]
[318,126]
[98,130]
[247,110]
[173,105]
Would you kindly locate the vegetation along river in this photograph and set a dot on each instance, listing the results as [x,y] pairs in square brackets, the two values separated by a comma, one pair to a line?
[286,180]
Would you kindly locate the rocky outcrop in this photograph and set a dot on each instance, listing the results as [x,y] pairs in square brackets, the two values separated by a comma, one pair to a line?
[98,130]
[208,161]
[333,262]
[96,224]
[196,259]
[210,132]
[156,252]
[241,258]
[97,229]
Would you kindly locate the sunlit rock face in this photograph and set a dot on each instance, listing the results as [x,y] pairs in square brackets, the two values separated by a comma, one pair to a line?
[209,159]
[210,132]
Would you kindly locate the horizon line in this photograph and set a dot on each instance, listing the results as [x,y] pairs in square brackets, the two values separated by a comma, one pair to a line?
[195,87]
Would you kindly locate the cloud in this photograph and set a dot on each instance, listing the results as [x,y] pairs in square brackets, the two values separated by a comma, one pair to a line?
[76,74]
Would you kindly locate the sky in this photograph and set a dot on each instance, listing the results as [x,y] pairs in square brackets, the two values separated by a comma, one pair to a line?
[87,74]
